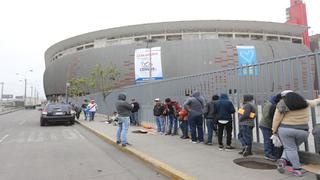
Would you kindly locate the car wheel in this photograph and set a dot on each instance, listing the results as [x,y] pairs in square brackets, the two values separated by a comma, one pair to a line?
[72,122]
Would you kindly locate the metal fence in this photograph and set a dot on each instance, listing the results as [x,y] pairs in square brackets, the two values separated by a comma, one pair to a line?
[299,73]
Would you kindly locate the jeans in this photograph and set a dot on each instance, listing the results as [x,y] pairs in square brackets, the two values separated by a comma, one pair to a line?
[134,118]
[92,115]
[210,128]
[269,149]
[122,131]
[173,122]
[228,127]
[85,112]
[184,128]
[196,127]
[291,140]
[245,136]
[160,124]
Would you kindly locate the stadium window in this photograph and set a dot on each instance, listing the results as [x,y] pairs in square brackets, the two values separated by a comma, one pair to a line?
[89,46]
[80,48]
[158,38]
[174,37]
[140,38]
[256,37]
[272,38]
[296,41]
[242,36]
[284,38]
[225,35]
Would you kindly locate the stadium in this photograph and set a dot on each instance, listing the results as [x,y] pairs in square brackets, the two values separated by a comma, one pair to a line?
[187,47]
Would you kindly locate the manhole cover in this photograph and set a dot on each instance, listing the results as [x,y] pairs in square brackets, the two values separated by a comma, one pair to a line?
[255,163]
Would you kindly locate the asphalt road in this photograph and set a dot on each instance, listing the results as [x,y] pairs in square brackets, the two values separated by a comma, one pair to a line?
[58,152]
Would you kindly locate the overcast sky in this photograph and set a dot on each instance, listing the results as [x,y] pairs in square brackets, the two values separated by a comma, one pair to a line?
[29,27]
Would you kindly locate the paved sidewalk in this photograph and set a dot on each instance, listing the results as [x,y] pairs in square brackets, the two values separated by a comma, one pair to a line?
[197,160]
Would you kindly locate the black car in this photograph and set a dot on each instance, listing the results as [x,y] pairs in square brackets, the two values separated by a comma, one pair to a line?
[57,112]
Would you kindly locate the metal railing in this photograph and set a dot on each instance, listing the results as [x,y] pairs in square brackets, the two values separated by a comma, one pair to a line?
[298,73]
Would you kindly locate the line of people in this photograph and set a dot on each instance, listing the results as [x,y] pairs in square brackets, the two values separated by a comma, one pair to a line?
[285,115]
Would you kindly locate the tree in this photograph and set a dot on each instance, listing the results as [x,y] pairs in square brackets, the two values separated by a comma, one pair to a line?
[103,78]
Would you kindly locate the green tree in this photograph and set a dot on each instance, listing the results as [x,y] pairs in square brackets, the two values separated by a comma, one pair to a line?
[103,78]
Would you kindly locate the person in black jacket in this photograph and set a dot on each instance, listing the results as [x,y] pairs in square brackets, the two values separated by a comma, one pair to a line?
[210,116]
[134,116]
[246,122]
[224,110]
[158,112]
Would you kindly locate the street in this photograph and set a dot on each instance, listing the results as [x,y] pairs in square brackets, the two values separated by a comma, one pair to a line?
[58,152]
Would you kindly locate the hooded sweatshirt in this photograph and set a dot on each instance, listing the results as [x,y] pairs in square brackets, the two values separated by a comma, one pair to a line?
[123,107]
[195,104]
[224,108]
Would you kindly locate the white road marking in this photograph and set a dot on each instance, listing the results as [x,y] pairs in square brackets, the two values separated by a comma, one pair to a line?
[78,133]
[4,137]
[22,122]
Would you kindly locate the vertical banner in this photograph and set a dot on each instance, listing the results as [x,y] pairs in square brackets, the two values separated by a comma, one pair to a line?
[142,60]
[247,57]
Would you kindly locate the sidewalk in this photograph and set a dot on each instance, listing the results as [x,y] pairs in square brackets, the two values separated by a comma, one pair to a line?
[197,160]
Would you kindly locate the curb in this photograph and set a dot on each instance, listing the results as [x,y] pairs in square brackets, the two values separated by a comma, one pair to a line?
[10,111]
[159,166]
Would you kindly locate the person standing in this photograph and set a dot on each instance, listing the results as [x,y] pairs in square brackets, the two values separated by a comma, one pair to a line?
[210,116]
[183,118]
[124,111]
[224,110]
[171,108]
[265,126]
[195,107]
[84,107]
[92,109]
[290,123]
[134,115]
[158,112]
[246,123]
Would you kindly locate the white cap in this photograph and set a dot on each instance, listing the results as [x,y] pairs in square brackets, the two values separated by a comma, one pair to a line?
[157,99]
[283,93]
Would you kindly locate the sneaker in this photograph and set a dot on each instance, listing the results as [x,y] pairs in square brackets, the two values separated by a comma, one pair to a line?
[241,152]
[270,158]
[208,143]
[123,145]
[168,134]
[220,147]
[194,142]
[118,142]
[128,144]
[296,172]
[281,165]
[247,152]
[229,147]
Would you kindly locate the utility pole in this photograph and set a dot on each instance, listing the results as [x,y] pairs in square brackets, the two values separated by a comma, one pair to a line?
[2,84]
[25,91]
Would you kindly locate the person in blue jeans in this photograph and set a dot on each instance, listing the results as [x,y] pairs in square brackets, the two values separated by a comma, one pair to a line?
[246,123]
[210,116]
[195,107]
[124,111]
[170,108]
[158,112]
[266,125]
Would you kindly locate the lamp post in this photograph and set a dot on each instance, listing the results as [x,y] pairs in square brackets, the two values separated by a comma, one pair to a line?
[67,85]
[149,40]
[2,84]
[25,84]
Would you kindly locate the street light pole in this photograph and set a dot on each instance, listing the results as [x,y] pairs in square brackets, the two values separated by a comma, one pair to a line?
[67,85]
[25,91]
[2,84]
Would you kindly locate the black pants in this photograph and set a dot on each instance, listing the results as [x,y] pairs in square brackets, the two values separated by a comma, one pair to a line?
[228,128]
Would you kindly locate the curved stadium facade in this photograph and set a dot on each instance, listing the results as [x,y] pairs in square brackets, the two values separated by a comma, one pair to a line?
[187,47]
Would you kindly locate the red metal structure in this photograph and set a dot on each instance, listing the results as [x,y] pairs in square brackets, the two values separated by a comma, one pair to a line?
[297,14]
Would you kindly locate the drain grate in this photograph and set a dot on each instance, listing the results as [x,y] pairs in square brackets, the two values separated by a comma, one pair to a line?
[255,163]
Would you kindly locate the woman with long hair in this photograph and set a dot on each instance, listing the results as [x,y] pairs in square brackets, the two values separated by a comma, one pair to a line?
[290,122]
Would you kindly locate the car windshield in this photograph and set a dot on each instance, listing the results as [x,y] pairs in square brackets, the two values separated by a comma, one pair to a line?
[54,107]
